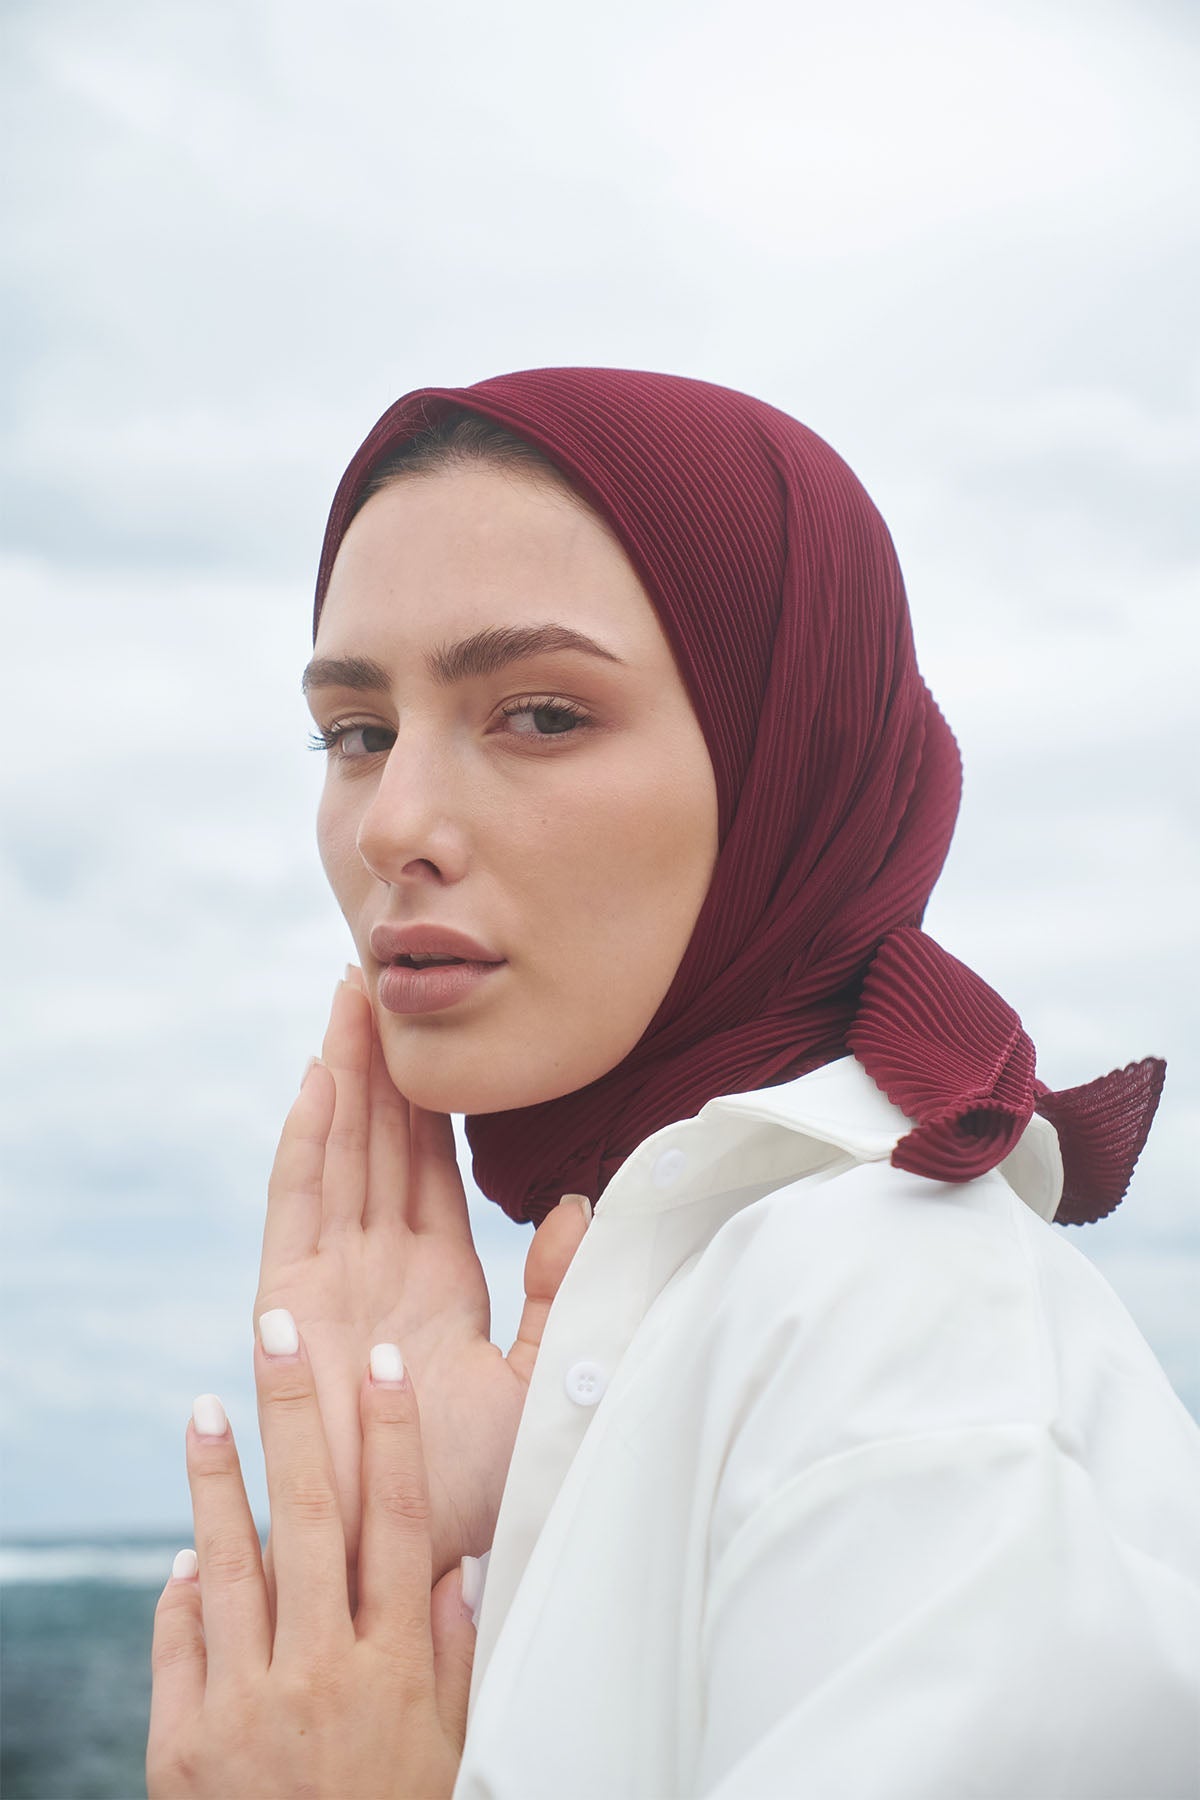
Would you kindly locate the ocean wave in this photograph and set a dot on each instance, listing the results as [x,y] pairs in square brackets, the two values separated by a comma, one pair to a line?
[133,1565]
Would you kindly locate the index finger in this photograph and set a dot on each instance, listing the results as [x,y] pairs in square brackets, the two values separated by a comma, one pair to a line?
[389,1154]
[347,1052]
[295,1185]
[439,1200]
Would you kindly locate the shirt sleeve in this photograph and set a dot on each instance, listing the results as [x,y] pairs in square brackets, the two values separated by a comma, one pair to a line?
[943,1617]
[941,1558]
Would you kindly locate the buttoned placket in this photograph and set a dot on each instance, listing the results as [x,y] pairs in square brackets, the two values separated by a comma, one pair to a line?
[660,1209]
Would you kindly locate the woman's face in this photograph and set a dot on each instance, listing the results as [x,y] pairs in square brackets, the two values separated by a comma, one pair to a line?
[489,776]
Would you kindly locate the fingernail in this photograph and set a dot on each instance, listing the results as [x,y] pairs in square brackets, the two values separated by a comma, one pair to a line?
[387,1364]
[353,975]
[185,1566]
[580,1200]
[309,1066]
[277,1332]
[208,1416]
[471,1576]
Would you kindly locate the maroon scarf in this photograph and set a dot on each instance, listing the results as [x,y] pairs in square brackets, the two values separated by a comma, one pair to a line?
[838,781]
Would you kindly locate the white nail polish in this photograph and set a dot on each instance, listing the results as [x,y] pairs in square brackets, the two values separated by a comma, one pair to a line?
[387,1364]
[208,1416]
[474,1570]
[185,1565]
[582,1201]
[277,1332]
[309,1066]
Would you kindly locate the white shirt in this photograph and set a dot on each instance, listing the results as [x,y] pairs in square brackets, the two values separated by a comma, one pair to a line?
[835,1481]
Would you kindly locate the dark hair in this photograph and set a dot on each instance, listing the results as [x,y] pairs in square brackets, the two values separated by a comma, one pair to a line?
[457,438]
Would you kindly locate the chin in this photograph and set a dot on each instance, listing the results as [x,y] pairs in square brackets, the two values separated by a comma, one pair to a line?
[439,1076]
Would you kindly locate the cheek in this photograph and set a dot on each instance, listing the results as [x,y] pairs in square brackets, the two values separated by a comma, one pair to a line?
[337,834]
[633,857]
[667,810]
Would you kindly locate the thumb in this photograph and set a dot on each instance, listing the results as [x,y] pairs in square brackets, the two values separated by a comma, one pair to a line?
[453,1629]
[554,1244]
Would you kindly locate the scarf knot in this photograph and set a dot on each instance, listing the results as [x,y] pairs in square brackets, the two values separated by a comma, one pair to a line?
[948,1051]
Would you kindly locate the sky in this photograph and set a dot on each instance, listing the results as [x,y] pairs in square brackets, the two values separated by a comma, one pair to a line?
[958,239]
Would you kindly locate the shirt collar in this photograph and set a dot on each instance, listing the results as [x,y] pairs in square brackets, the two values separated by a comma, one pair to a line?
[836,1108]
[662,1207]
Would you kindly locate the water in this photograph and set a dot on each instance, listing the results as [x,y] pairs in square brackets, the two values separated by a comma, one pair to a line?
[75,1625]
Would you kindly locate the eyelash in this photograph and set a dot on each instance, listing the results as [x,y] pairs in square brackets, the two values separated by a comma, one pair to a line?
[328,737]
[557,709]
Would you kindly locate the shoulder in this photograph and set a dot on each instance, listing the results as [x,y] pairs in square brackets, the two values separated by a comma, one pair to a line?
[833,1248]
[871,1308]
[911,1304]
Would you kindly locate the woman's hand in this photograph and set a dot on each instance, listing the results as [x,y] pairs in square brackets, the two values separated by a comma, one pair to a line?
[308,1697]
[367,1238]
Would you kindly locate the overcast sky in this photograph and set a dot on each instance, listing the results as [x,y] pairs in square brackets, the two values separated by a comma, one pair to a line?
[956,239]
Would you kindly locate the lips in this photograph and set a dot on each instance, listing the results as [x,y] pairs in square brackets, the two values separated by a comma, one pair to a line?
[441,943]
[448,969]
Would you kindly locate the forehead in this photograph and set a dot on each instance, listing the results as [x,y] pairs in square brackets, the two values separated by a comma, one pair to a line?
[468,548]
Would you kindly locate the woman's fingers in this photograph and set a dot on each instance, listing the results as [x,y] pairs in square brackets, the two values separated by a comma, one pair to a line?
[177,1656]
[354,977]
[388,1155]
[347,1053]
[294,1203]
[237,1623]
[385,1158]
[437,1200]
[307,1542]
[453,1654]
[395,1557]
[554,1244]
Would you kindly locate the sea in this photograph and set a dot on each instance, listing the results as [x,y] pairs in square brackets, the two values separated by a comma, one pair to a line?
[75,1624]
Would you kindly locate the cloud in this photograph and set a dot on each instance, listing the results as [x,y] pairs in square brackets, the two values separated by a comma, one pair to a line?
[950,238]
[234,243]
[839,134]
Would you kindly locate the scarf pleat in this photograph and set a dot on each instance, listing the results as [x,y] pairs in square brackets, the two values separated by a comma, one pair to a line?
[838,781]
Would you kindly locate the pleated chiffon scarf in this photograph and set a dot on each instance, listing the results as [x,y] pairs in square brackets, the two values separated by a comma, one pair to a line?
[838,783]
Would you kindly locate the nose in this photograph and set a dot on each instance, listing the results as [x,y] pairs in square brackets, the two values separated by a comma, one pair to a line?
[413,826]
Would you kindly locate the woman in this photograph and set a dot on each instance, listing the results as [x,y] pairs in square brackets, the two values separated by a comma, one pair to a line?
[838,1471]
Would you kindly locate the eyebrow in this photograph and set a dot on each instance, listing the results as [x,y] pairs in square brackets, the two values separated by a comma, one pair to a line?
[482,654]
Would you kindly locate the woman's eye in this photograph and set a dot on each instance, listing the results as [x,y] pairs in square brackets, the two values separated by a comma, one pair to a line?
[354,741]
[531,719]
[543,719]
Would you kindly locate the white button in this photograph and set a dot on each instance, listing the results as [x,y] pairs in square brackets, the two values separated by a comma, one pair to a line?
[585,1383]
[668,1168]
